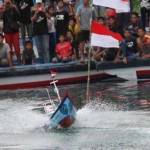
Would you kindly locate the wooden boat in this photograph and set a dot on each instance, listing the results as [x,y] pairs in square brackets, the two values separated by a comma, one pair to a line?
[65,114]
[35,76]
[43,80]
[125,71]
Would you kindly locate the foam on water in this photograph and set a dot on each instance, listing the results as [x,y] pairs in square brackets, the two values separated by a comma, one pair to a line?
[107,116]
[99,125]
[16,117]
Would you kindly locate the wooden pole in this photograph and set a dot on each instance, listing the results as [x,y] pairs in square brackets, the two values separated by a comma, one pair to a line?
[88,78]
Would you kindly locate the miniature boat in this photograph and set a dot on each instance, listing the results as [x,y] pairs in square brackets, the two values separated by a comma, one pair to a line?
[65,114]
[62,112]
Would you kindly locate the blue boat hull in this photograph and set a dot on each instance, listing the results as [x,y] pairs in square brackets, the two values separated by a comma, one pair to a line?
[65,114]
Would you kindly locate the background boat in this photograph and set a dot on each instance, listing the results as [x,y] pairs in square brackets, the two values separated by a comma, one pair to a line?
[34,76]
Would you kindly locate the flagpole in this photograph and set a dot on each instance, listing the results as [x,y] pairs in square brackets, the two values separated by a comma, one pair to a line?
[97,2]
[88,78]
[89,65]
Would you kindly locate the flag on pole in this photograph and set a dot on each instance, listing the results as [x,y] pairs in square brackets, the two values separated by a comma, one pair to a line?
[53,73]
[101,36]
[119,5]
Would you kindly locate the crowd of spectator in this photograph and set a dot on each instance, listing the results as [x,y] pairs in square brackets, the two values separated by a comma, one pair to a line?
[59,31]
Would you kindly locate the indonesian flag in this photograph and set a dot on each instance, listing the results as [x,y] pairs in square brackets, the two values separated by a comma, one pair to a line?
[53,72]
[119,5]
[101,36]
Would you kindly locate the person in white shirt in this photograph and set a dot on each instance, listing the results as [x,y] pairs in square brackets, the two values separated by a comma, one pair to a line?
[51,31]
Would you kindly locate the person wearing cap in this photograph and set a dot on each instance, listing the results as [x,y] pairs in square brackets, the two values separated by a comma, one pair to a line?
[4,53]
[110,13]
[129,47]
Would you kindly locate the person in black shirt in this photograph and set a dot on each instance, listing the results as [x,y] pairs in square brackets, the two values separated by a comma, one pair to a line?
[129,47]
[124,17]
[114,25]
[11,28]
[145,13]
[134,24]
[24,7]
[62,19]
[28,53]
[40,33]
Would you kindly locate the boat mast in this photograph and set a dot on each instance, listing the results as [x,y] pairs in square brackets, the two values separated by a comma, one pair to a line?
[56,90]
[50,100]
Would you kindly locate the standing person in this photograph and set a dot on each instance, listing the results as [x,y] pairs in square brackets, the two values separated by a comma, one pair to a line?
[51,30]
[11,27]
[83,17]
[40,33]
[24,7]
[71,7]
[145,12]
[62,19]
[124,18]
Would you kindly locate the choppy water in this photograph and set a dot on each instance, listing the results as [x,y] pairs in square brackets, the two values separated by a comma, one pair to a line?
[118,118]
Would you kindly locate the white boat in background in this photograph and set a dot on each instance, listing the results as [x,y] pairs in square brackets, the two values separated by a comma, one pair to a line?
[129,74]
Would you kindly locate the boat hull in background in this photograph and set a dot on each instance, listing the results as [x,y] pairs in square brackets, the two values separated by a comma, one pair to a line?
[40,81]
[143,75]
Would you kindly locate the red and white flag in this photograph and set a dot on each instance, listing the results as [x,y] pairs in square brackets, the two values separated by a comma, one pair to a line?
[53,72]
[119,5]
[101,36]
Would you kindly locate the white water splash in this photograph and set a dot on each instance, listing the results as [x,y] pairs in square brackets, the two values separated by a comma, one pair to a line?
[105,116]
[18,118]
[98,126]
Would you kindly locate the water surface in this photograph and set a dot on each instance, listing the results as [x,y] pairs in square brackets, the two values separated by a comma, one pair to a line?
[117,118]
